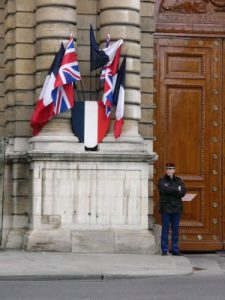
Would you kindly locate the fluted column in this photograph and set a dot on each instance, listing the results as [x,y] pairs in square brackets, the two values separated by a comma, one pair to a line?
[122,20]
[55,19]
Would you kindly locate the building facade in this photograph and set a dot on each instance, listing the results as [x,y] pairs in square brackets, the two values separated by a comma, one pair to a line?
[56,195]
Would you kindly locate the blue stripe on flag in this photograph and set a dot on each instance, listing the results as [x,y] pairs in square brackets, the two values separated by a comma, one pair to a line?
[78,120]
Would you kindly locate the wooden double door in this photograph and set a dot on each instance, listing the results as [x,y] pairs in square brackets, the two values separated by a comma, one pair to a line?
[190,102]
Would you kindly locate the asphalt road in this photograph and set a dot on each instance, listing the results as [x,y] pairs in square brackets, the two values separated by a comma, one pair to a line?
[163,288]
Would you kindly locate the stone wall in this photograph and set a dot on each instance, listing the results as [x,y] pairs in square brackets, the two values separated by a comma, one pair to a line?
[19,66]
[2,100]
[147,104]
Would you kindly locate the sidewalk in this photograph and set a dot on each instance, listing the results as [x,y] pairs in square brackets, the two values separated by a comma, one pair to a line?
[22,265]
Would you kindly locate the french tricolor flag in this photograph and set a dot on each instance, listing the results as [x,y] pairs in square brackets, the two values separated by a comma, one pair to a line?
[101,57]
[89,122]
[44,110]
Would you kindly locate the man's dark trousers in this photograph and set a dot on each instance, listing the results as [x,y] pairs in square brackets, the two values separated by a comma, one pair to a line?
[174,220]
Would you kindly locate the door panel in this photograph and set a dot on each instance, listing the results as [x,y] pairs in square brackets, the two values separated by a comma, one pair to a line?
[188,116]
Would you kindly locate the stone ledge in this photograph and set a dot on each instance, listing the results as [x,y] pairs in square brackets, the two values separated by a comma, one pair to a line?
[113,241]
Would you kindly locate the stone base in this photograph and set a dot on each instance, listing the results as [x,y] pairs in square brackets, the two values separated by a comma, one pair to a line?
[91,241]
[48,240]
[113,241]
[14,239]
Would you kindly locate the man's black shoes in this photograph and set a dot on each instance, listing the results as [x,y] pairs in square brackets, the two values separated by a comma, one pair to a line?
[176,253]
[164,253]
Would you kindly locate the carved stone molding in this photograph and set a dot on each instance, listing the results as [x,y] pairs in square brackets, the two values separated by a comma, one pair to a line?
[192,6]
[190,16]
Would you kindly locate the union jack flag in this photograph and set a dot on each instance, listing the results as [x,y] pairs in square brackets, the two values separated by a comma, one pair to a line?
[107,98]
[63,98]
[109,83]
[69,70]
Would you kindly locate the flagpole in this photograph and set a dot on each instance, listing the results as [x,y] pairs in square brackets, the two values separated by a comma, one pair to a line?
[81,83]
[75,88]
[90,85]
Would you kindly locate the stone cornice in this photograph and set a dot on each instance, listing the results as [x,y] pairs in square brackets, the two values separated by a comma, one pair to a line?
[86,156]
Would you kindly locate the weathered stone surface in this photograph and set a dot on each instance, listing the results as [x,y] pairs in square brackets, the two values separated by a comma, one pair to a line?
[147,85]
[49,46]
[24,19]
[134,242]
[87,7]
[9,68]
[146,39]
[1,15]
[147,55]
[22,66]
[133,65]
[128,17]
[132,96]
[133,81]
[43,63]
[49,14]
[23,82]
[20,97]
[2,130]
[146,70]
[147,24]
[2,104]
[10,7]
[83,37]
[84,23]
[93,241]
[24,5]
[134,4]
[19,128]
[10,37]
[10,22]
[147,9]
[132,112]
[49,240]
[131,33]
[24,35]
[146,130]
[147,115]
[20,187]
[71,3]
[131,49]
[57,30]
[147,99]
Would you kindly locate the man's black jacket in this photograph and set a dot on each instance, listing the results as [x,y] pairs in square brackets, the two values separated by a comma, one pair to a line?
[171,190]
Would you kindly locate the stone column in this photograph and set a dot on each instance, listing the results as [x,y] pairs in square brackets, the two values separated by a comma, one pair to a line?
[90,201]
[19,95]
[122,20]
[55,20]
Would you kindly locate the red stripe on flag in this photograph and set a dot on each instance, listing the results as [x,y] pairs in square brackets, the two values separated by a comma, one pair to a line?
[41,115]
[103,121]
[118,124]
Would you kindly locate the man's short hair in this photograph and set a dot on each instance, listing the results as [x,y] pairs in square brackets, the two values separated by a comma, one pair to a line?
[170,166]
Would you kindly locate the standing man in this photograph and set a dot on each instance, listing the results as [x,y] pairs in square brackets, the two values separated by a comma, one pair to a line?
[171,190]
